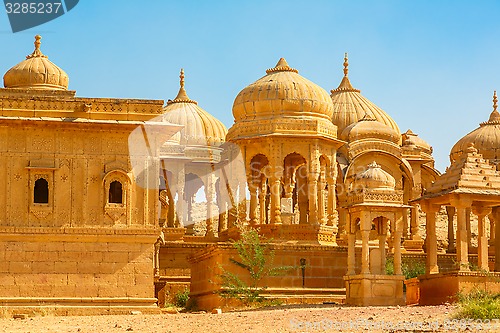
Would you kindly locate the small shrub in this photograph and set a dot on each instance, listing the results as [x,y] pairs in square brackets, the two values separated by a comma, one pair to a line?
[257,260]
[410,268]
[181,298]
[478,304]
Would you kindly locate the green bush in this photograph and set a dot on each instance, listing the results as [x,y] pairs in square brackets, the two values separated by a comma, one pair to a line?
[181,298]
[478,304]
[410,268]
[257,260]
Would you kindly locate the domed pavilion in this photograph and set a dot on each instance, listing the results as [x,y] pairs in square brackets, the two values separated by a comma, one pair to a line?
[189,159]
[283,127]
[470,184]
[372,135]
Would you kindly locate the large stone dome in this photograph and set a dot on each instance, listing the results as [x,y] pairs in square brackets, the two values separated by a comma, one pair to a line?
[200,127]
[36,72]
[282,103]
[349,106]
[281,92]
[486,138]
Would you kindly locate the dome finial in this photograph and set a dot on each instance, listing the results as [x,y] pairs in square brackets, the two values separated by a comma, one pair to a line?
[37,52]
[281,66]
[182,96]
[495,101]
[182,77]
[346,65]
[345,84]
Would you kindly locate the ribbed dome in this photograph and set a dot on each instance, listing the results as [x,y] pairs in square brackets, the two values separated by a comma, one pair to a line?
[486,138]
[369,128]
[374,178]
[200,127]
[412,139]
[36,72]
[349,106]
[281,92]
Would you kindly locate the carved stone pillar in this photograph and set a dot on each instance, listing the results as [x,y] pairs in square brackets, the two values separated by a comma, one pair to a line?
[262,201]
[321,200]
[252,187]
[462,244]
[351,248]
[275,187]
[365,238]
[397,245]
[333,216]
[181,179]
[312,192]
[431,266]
[209,195]
[467,227]
[414,223]
[482,238]
[450,213]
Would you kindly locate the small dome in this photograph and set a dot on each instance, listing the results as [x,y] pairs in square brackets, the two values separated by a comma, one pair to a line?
[486,138]
[36,72]
[200,127]
[412,139]
[349,106]
[369,128]
[374,178]
[282,92]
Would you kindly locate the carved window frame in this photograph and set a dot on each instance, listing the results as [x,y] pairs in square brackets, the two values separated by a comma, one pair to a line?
[41,210]
[116,211]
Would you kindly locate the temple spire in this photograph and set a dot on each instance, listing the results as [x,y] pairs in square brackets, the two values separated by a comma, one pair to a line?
[346,65]
[182,96]
[345,84]
[37,52]
[495,101]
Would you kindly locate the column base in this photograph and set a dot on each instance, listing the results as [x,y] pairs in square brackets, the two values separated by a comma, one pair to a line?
[413,245]
[373,290]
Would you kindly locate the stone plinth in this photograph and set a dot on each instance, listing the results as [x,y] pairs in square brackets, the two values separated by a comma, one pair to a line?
[77,271]
[322,279]
[440,288]
[413,245]
[371,289]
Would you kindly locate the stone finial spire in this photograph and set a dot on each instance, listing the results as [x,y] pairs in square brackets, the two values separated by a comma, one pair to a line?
[345,84]
[346,65]
[495,101]
[495,115]
[182,96]
[182,77]
[37,52]
[281,66]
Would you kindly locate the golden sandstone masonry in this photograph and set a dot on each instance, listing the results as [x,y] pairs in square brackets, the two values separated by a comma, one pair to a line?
[77,230]
[98,211]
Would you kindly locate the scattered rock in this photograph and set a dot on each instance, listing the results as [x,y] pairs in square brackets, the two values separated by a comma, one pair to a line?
[136,312]
[217,311]
[129,329]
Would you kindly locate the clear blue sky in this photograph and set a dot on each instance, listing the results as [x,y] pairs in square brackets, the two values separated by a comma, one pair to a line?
[431,65]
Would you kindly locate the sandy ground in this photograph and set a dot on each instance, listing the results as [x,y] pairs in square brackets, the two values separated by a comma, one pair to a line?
[320,318]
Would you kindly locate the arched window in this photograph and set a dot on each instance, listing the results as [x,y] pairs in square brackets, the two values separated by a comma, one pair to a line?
[115,192]
[41,191]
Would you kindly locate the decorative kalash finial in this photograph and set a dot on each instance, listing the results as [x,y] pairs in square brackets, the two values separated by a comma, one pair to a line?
[495,101]
[37,52]
[182,77]
[346,64]
[182,96]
